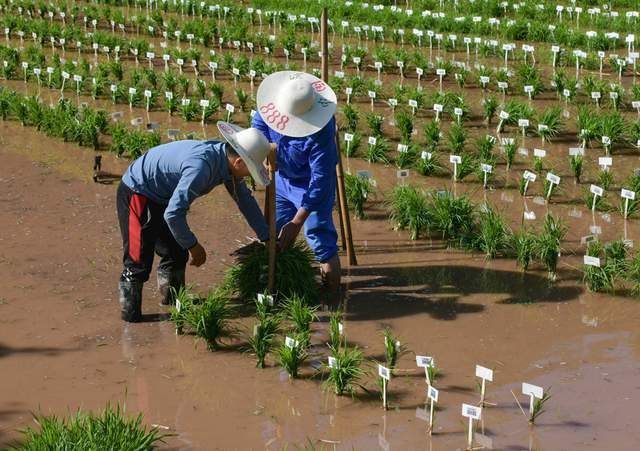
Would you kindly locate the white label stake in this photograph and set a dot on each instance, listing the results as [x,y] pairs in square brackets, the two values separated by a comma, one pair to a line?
[432,393]
[385,374]
[473,413]
[485,374]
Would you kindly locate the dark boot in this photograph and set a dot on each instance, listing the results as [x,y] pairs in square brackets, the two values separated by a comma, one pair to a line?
[131,301]
[169,283]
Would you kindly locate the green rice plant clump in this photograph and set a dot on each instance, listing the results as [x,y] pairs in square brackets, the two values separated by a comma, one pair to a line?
[493,235]
[576,162]
[524,243]
[296,310]
[209,320]
[429,166]
[336,338]
[393,349]
[451,216]
[605,179]
[292,356]
[357,189]
[179,312]
[538,406]
[294,273]
[345,374]
[410,210]
[261,342]
[109,429]
[378,152]
[547,245]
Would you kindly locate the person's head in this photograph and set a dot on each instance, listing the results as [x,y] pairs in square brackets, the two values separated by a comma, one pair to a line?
[237,166]
[246,151]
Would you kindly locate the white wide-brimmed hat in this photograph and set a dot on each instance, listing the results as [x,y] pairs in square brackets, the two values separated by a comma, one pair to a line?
[295,104]
[251,145]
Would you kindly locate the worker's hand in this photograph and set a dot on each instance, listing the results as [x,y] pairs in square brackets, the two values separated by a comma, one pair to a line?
[198,255]
[288,235]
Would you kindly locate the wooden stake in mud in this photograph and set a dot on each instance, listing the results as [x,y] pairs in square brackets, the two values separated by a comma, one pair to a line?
[271,212]
[345,221]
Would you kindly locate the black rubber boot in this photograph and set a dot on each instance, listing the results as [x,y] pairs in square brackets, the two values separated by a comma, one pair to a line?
[131,301]
[168,279]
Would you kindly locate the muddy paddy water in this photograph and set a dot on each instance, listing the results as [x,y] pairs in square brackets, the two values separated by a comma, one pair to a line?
[63,345]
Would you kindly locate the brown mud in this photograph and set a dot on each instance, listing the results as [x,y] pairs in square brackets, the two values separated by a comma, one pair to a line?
[63,345]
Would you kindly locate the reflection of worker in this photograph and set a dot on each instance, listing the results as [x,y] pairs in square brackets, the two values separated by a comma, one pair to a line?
[296,113]
[155,195]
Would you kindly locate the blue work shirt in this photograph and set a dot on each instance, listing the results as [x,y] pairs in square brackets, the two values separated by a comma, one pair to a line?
[308,162]
[176,173]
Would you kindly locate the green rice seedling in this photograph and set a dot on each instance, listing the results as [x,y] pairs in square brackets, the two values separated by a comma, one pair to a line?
[588,197]
[530,76]
[185,85]
[393,349]
[375,121]
[616,253]
[404,122]
[210,319]
[485,147]
[576,162]
[597,278]
[346,371]
[457,139]
[631,207]
[378,152]
[538,406]
[494,235]
[433,372]
[605,179]
[587,124]
[432,134]
[450,215]
[296,310]
[357,189]
[547,245]
[217,91]
[407,158]
[189,111]
[294,273]
[524,243]
[550,123]
[549,188]
[409,210]
[634,134]
[351,148]
[468,165]
[518,110]
[538,164]
[611,130]
[179,312]
[489,109]
[336,339]
[633,274]
[110,429]
[351,117]
[429,166]
[510,154]
[262,341]
[243,98]
[293,354]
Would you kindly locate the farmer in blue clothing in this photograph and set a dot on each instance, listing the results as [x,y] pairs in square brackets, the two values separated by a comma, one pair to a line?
[155,195]
[296,113]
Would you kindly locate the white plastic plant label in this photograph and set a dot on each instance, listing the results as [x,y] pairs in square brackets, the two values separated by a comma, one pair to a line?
[372,140]
[484,373]
[413,103]
[441,72]
[605,161]
[348,137]
[424,361]
[504,115]
[627,194]
[469,411]
[530,215]
[539,153]
[528,175]
[291,343]
[437,107]
[532,390]
[230,108]
[425,155]
[591,261]
[403,148]
[575,151]
[132,91]
[523,122]
[372,94]
[433,393]
[393,102]
[333,363]
[596,190]
[486,168]
[457,159]
[137,121]
[384,372]
[552,178]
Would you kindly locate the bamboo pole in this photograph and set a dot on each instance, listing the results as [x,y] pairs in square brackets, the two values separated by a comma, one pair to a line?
[345,222]
[270,202]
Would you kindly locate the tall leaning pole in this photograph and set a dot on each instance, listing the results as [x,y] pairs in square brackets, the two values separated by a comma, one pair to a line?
[345,220]
[270,209]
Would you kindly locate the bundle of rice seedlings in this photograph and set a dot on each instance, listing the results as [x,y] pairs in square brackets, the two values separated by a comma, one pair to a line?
[605,179]
[350,149]
[294,273]
[538,406]
[633,274]
[450,215]
[589,198]
[597,278]
[524,246]
[375,121]
[262,341]
[346,371]
[407,158]
[587,124]
[485,147]
[469,163]
[457,139]
[178,313]
[209,320]
[493,235]
[409,210]
[357,189]
[510,154]
[378,152]
[336,338]
[404,122]
[547,245]
[393,349]
[429,166]
[301,315]
[432,134]
[576,162]
[351,117]
[293,353]
[489,109]
[612,126]
[109,429]
[550,123]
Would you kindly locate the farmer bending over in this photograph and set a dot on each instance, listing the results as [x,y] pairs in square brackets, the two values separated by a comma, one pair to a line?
[155,195]
[296,113]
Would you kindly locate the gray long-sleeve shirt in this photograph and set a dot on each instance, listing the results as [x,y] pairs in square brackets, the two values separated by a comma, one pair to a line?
[176,173]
